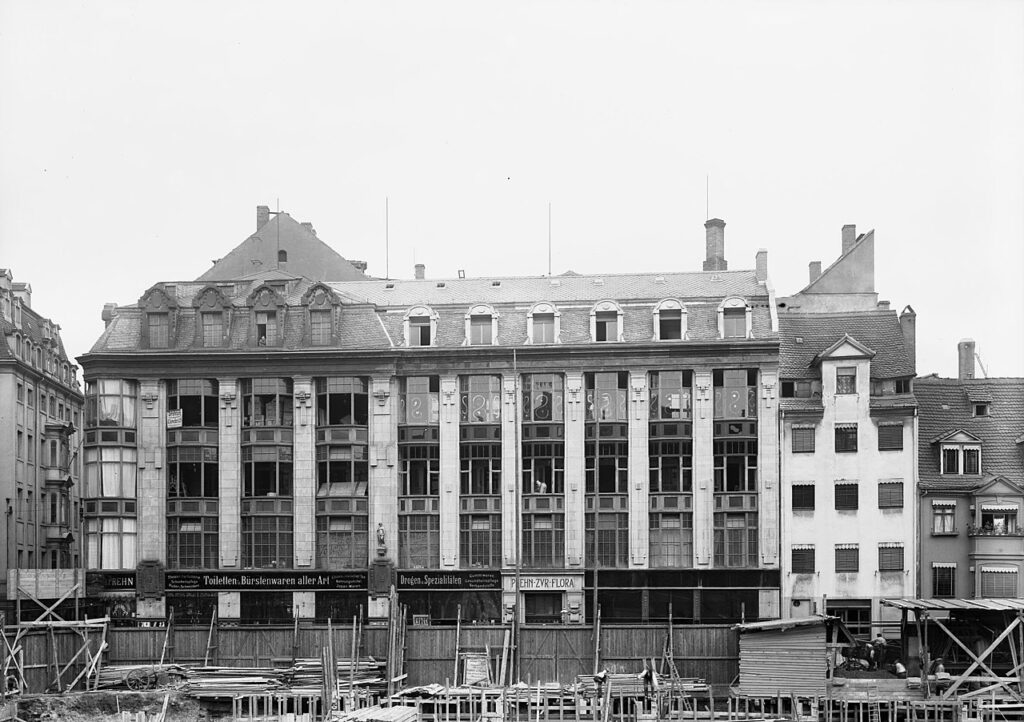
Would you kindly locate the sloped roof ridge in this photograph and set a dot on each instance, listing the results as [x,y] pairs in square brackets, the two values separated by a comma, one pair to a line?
[839,314]
[860,239]
[439,279]
[981,382]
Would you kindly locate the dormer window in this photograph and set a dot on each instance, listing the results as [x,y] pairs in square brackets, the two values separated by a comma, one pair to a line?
[480,326]
[734,318]
[542,324]
[669,321]
[961,458]
[981,409]
[420,327]
[846,380]
[606,322]
[158,325]
[266,328]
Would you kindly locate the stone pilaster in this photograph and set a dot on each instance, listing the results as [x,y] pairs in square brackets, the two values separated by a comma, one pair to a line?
[639,478]
[703,469]
[575,474]
[383,467]
[230,481]
[768,469]
[304,473]
[449,487]
[510,498]
[151,522]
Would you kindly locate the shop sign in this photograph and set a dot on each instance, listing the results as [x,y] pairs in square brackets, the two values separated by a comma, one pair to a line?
[100,582]
[214,581]
[449,580]
[545,583]
[174,419]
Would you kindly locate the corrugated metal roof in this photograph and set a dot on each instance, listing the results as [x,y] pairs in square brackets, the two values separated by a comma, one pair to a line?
[783,624]
[1007,604]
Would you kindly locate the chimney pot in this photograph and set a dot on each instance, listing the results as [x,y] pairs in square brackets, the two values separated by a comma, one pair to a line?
[761,265]
[421,271]
[814,270]
[908,325]
[262,216]
[965,353]
[109,311]
[849,237]
[359,265]
[715,239]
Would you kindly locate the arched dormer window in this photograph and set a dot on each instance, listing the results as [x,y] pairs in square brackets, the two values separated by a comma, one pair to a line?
[282,256]
[543,323]
[213,317]
[320,302]
[159,309]
[267,316]
[481,326]
[670,321]
[734,318]
[17,344]
[420,326]
[606,322]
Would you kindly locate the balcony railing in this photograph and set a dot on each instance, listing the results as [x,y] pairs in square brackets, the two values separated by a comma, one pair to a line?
[993,531]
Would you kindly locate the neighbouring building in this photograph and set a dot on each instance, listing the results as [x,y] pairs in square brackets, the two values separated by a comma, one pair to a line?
[848,428]
[971,483]
[270,441]
[40,418]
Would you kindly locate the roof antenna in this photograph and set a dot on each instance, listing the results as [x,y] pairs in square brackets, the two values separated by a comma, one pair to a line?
[277,217]
[707,197]
[549,238]
[387,241]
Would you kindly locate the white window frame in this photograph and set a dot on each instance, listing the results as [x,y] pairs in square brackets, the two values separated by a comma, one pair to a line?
[543,307]
[960,449]
[671,304]
[419,312]
[733,302]
[606,307]
[477,311]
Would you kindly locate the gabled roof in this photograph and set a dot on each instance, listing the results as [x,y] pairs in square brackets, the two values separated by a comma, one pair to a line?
[945,409]
[307,255]
[852,272]
[833,351]
[806,336]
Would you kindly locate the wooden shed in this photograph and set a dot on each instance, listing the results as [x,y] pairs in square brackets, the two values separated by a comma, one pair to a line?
[783,656]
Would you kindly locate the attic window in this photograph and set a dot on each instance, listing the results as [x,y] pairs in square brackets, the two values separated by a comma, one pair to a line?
[388,286]
[282,256]
[981,409]
[961,459]
[799,339]
[440,284]
[495,283]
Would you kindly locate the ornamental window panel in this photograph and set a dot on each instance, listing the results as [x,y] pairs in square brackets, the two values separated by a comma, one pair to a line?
[803,497]
[543,467]
[890,495]
[606,396]
[419,541]
[944,580]
[609,548]
[847,558]
[267,542]
[543,397]
[342,541]
[847,497]
[671,539]
[670,394]
[480,399]
[890,437]
[890,558]
[480,541]
[735,539]
[342,401]
[735,393]
[543,539]
[802,559]
[846,380]
[192,542]
[418,400]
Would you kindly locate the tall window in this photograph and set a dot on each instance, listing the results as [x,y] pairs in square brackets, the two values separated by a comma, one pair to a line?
[419,330]
[543,541]
[320,327]
[734,322]
[670,394]
[266,328]
[671,539]
[607,467]
[480,541]
[670,324]
[543,328]
[213,329]
[480,330]
[267,541]
[612,538]
[480,399]
[418,400]
[419,470]
[735,539]
[846,380]
[943,517]
[159,329]
[735,458]
[480,468]
[943,580]
[606,326]
[671,465]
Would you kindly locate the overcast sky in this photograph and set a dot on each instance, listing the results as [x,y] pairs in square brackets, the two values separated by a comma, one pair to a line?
[137,138]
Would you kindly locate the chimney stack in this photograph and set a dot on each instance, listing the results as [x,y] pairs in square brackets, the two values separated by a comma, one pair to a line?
[109,310]
[421,271]
[814,270]
[849,237]
[908,325]
[262,216]
[761,265]
[359,265]
[965,352]
[715,260]
[309,228]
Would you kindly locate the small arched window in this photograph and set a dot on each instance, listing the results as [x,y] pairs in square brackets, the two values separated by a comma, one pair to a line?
[669,321]
[481,326]
[420,326]
[282,256]
[606,322]
[542,323]
[734,318]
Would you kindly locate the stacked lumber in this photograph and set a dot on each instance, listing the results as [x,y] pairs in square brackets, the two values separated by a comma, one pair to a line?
[633,685]
[231,681]
[396,713]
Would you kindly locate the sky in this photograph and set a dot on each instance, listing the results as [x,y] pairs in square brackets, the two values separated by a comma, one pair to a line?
[136,140]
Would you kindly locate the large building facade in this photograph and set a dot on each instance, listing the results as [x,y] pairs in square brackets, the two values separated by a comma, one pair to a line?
[275,444]
[40,418]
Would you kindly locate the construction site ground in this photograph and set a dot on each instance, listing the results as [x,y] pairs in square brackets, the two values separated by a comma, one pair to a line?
[106,706]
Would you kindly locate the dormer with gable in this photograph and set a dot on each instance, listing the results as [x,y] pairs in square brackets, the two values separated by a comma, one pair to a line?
[213,317]
[159,307]
[267,306]
[959,454]
[322,307]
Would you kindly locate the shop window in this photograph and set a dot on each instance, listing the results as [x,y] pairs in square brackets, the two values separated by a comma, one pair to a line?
[542,607]
[266,607]
[890,557]
[543,539]
[342,541]
[418,400]
[735,539]
[543,397]
[847,558]
[802,559]
[803,439]
[479,399]
[890,437]
[419,541]
[846,438]
[943,580]
[890,494]
[192,542]
[943,517]
[266,542]
[480,541]
[803,497]
[846,380]
[671,539]
[847,497]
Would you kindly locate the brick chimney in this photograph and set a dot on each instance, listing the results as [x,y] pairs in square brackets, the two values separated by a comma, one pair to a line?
[965,354]
[309,228]
[262,216]
[23,291]
[359,265]
[761,265]
[814,270]
[849,237]
[715,260]
[908,325]
[109,311]
[421,271]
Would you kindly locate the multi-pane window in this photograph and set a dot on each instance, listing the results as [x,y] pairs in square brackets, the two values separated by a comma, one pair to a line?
[419,330]
[734,322]
[612,539]
[735,464]
[480,399]
[480,330]
[342,470]
[320,327]
[846,380]
[735,393]
[267,402]
[606,396]
[419,469]
[671,465]
[890,494]
[802,559]
[543,467]
[159,329]
[999,582]
[109,402]
[213,329]
[543,328]
[192,471]
[419,541]
[735,539]
[671,539]
[266,328]
[607,467]
[846,437]
[943,579]
[944,517]
[110,542]
[342,401]
[847,497]
[480,468]
[803,497]
[480,541]
[543,397]
[196,399]
[267,542]
[847,558]
[803,439]
[998,519]
[543,540]
[110,471]
[890,436]
[341,541]
[418,400]
[670,395]
[192,542]
[606,326]
[267,470]
[961,459]
[890,557]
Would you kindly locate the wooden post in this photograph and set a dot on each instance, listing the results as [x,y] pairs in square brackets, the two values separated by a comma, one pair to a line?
[209,638]
[458,633]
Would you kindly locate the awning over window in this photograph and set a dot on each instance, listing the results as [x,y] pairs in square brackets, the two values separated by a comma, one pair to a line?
[943,565]
[890,545]
[999,507]
[998,570]
[943,502]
